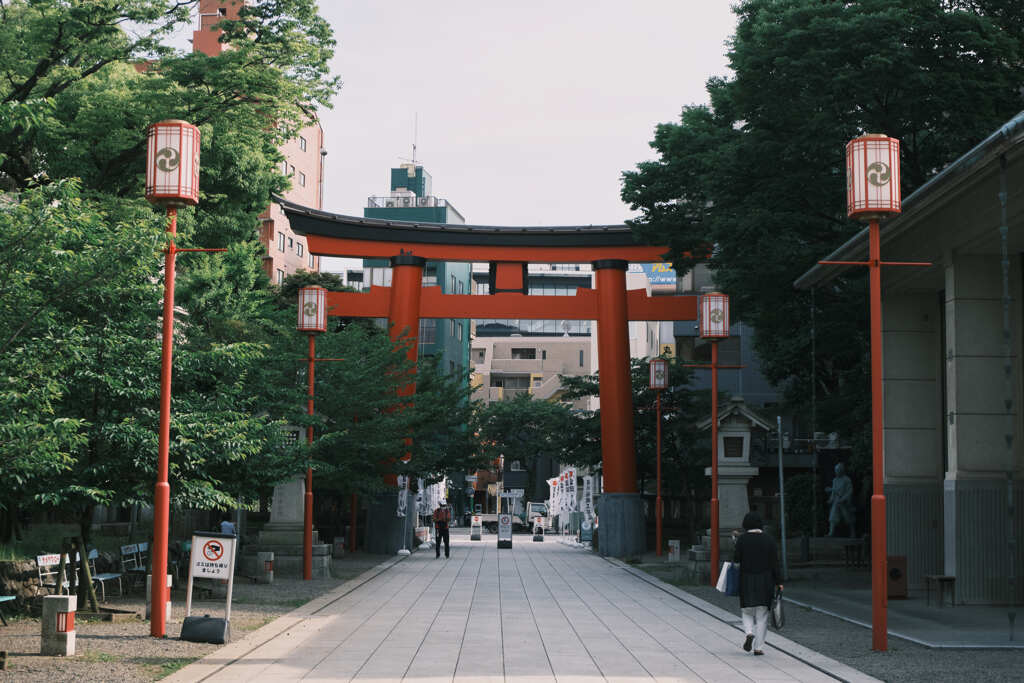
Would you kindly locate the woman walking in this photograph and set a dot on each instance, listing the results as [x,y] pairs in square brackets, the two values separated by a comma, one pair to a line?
[759,575]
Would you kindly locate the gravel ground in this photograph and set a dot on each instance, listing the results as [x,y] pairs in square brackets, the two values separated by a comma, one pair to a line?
[124,651]
[851,644]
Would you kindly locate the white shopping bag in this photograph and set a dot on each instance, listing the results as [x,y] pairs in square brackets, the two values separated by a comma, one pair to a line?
[720,586]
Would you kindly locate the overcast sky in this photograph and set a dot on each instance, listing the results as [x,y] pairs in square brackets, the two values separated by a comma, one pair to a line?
[528,111]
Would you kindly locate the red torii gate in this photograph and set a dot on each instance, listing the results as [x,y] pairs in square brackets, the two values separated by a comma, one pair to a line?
[509,250]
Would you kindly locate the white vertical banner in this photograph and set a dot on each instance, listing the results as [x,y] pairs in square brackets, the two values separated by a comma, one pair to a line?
[573,503]
[403,488]
[588,498]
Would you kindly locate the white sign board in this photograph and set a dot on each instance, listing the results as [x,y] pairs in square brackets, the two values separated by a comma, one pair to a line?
[513,493]
[505,530]
[212,557]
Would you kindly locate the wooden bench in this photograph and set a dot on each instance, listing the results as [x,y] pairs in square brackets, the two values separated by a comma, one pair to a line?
[3,599]
[941,581]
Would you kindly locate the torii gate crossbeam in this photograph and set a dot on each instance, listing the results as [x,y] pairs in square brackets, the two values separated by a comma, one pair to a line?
[609,249]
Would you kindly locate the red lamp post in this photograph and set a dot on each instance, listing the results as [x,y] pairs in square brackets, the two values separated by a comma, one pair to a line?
[172,180]
[659,381]
[714,325]
[873,193]
[312,319]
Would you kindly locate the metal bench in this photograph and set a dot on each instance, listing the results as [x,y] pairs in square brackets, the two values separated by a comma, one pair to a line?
[3,599]
[50,575]
[102,579]
[941,581]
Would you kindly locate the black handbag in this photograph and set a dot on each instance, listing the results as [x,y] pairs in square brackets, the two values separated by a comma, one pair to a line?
[778,615]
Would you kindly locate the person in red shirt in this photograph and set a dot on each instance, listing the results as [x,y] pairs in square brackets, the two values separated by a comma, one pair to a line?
[442,518]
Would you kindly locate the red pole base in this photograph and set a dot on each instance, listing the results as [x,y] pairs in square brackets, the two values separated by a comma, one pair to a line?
[158,589]
[714,540]
[657,524]
[307,537]
[879,570]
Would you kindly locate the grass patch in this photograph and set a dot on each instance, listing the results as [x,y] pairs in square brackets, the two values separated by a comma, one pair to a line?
[94,656]
[161,667]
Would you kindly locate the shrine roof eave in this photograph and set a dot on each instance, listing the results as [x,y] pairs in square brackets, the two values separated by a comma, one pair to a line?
[347,230]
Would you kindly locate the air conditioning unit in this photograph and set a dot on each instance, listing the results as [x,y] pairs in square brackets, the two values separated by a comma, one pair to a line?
[406,201]
[389,204]
[425,201]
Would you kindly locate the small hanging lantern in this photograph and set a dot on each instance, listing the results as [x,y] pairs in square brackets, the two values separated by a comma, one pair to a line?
[172,163]
[714,316]
[659,373]
[872,177]
[312,309]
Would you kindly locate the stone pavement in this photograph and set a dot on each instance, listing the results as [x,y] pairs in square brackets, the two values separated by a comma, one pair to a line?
[538,612]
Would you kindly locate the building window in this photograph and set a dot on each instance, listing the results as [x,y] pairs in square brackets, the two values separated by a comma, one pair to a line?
[460,332]
[462,289]
[311,260]
[291,169]
[451,327]
[511,381]
[291,243]
[543,354]
[479,355]
[581,358]
[302,143]
[428,331]
[298,247]
[302,179]
[280,241]
[280,277]
[284,167]
[524,354]
[452,290]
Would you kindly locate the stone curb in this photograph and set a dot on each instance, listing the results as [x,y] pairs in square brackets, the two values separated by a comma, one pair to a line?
[232,652]
[826,665]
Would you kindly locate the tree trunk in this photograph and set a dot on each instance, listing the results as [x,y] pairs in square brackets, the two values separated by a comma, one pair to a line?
[86,589]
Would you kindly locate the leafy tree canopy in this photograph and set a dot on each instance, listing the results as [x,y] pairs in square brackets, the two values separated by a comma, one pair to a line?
[760,172]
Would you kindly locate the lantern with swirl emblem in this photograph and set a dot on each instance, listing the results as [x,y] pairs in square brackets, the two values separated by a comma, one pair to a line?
[312,309]
[172,163]
[872,177]
[714,316]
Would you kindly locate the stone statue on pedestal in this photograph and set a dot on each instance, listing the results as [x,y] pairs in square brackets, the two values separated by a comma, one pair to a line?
[841,500]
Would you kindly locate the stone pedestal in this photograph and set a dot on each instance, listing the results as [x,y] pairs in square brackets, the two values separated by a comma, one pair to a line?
[733,502]
[283,536]
[622,530]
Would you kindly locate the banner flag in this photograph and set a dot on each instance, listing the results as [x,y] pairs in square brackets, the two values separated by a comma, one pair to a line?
[588,498]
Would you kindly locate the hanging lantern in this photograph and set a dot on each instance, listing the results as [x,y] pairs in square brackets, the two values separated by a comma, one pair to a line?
[312,309]
[659,373]
[714,316]
[872,177]
[172,163]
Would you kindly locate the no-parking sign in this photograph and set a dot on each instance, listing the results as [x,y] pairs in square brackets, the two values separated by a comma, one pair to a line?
[212,557]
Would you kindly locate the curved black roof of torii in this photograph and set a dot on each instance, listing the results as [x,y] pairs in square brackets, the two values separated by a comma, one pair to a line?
[308,221]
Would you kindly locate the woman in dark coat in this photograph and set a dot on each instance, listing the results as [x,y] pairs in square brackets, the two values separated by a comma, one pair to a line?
[759,575]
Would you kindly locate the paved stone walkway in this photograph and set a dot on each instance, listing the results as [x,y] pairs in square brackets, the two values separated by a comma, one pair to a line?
[538,612]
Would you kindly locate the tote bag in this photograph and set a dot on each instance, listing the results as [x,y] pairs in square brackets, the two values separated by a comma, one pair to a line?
[720,586]
[778,615]
[732,579]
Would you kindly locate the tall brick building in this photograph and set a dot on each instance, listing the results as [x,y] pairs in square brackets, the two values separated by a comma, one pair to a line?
[285,252]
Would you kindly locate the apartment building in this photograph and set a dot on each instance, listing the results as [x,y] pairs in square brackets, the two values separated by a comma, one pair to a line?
[284,251]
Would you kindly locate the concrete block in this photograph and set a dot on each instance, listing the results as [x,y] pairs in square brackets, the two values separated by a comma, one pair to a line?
[58,625]
[622,525]
[149,596]
[265,568]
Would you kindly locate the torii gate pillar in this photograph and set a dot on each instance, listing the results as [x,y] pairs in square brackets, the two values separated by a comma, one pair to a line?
[390,532]
[621,510]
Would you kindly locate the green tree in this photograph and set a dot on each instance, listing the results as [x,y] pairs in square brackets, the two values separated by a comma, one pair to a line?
[759,174]
[79,321]
[527,430]
[684,453]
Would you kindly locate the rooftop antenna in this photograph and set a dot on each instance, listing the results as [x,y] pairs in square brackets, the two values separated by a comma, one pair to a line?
[415,134]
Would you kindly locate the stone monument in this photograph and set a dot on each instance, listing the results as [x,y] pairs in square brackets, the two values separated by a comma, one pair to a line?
[283,535]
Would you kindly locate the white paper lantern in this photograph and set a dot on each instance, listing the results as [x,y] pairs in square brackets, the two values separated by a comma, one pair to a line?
[714,316]
[659,373]
[872,177]
[172,163]
[312,309]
